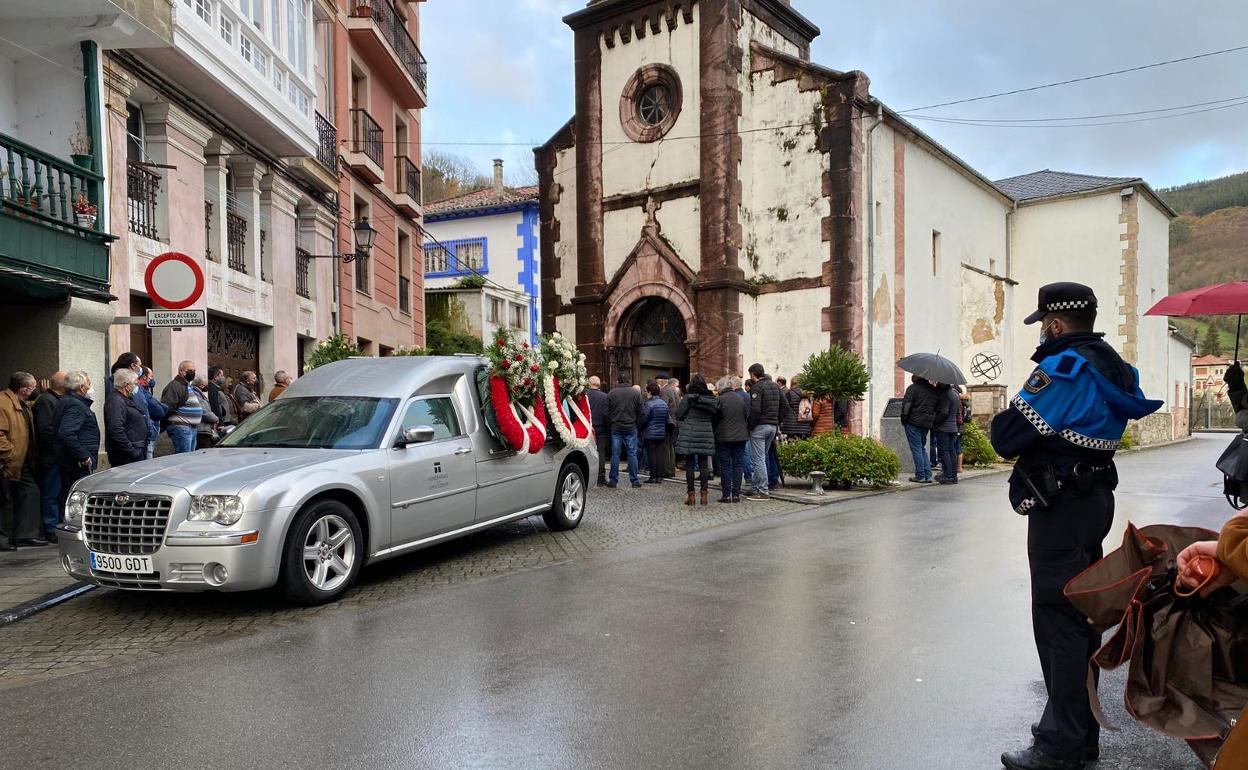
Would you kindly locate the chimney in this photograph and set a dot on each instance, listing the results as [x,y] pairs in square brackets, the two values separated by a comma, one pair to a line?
[498,177]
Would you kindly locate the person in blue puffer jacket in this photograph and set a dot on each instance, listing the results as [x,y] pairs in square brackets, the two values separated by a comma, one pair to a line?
[145,397]
[653,429]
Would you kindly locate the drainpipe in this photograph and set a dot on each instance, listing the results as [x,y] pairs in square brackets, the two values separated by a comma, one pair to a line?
[870,319]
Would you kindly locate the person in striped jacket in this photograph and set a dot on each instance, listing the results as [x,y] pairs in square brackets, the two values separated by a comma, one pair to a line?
[185,409]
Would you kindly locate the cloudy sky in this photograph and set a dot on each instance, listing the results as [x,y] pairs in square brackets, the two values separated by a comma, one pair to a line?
[501,71]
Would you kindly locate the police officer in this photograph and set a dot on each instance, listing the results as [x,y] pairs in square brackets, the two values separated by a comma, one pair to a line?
[1064,427]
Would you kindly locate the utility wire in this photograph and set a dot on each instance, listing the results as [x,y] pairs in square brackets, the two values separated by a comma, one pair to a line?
[1079,125]
[1083,79]
[950,119]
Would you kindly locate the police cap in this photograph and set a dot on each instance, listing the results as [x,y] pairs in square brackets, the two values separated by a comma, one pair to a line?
[1056,297]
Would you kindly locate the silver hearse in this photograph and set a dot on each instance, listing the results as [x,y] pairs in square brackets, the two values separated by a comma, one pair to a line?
[358,461]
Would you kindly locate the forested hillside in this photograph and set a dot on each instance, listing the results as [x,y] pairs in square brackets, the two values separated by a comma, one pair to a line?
[1209,243]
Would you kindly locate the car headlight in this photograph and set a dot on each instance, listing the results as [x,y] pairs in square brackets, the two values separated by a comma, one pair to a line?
[75,507]
[223,509]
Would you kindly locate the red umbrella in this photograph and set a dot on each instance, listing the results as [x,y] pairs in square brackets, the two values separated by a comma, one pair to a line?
[1220,299]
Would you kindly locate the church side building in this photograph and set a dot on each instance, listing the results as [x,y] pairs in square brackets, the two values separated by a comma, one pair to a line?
[718,199]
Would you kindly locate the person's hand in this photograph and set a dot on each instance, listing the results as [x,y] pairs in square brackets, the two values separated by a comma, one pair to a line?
[45,386]
[1234,376]
[1191,580]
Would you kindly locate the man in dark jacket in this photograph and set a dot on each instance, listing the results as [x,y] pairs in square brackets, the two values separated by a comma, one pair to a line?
[790,425]
[125,423]
[77,445]
[670,393]
[765,399]
[945,431]
[654,431]
[732,431]
[45,436]
[601,418]
[624,406]
[219,400]
[918,415]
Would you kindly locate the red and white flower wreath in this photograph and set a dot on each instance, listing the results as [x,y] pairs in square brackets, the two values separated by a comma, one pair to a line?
[563,389]
[514,381]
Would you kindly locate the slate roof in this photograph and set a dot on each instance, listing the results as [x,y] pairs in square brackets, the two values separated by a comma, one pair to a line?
[1050,184]
[483,199]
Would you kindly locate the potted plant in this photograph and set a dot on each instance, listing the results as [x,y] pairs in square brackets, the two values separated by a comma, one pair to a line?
[363,8]
[85,212]
[80,148]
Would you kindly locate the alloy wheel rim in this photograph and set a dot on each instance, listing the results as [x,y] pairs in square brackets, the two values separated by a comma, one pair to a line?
[329,552]
[573,497]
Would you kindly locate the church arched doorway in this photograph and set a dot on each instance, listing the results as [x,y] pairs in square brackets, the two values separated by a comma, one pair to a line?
[651,338]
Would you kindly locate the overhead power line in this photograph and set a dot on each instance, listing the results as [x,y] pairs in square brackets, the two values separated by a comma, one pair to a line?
[1149,119]
[1083,79]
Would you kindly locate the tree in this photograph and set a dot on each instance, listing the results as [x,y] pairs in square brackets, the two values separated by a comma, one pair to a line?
[836,374]
[445,175]
[335,348]
[1211,345]
[442,340]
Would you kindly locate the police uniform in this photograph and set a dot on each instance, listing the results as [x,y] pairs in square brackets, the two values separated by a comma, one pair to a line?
[1064,427]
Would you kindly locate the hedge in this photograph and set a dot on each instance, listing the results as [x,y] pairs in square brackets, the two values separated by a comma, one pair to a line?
[976,448]
[845,458]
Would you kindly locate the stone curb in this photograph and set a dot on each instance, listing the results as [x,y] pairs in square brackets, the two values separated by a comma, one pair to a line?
[35,606]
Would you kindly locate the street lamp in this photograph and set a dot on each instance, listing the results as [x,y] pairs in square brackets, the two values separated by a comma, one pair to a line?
[365,234]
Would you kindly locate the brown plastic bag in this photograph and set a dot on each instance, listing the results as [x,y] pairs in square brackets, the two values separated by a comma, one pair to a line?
[1188,657]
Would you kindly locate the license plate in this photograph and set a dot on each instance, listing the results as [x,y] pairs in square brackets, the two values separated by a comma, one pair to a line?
[104,562]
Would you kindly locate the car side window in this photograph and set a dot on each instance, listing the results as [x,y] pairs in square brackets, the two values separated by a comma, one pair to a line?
[437,412]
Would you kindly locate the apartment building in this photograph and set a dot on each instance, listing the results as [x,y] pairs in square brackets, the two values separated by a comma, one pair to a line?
[379,80]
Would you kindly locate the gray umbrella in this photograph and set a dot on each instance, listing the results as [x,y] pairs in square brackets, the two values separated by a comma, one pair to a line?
[934,367]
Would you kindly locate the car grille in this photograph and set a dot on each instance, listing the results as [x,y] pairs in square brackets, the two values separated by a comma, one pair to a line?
[126,525]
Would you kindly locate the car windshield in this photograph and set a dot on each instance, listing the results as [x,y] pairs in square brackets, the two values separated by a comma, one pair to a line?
[320,422]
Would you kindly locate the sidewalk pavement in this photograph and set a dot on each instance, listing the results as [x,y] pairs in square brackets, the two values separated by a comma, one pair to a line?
[30,573]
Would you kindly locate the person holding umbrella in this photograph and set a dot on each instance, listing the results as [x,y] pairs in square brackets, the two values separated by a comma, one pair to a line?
[1064,427]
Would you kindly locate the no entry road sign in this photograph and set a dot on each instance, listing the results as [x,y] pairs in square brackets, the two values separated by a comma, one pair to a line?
[174,281]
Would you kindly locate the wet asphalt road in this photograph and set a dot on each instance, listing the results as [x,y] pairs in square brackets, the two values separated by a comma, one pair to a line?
[889,632]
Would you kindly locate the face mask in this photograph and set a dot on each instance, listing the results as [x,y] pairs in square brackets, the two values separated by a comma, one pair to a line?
[91,392]
[1044,335]
[189,375]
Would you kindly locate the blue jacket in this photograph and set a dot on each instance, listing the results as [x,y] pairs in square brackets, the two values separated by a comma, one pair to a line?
[654,420]
[154,410]
[77,431]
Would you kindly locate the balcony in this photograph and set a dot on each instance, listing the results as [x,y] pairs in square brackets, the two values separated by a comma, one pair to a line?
[43,244]
[236,241]
[407,186]
[379,33]
[327,144]
[364,152]
[405,294]
[322,170]
[303,274]
[142,190]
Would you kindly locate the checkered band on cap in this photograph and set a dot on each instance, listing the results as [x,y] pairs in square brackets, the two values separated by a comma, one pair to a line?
[1074,304]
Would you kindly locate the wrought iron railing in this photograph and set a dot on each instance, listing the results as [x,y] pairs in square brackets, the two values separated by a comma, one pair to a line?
[45,188]
[142,190]
[408,177]
[327,143]
[361,273]
[303,274]
[405,294]
[395,33]
[208,231]
[366,135]
[236,241]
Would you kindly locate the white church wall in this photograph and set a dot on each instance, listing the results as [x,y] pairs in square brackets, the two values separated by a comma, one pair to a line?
[775,337]
[1153,279]
[1075,239]
[682,227]
[879,275]
[782,203]
[620,232]
[565,247]
[631,167]
[755,29]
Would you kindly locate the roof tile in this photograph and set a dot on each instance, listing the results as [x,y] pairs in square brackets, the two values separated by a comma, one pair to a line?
[482,199]
[1050,184]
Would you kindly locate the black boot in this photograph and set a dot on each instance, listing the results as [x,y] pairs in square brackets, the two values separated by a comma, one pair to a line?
[1034,759]
[1092,751]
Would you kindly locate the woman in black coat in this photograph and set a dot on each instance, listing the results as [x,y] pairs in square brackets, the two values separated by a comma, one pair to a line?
[696,438]
[125,423]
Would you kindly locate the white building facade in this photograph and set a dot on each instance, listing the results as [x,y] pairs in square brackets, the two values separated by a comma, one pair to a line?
[718,200]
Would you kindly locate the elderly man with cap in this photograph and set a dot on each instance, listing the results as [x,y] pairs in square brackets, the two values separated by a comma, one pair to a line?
[1064,427]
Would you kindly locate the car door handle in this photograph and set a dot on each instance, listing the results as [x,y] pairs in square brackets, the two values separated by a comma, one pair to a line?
[463,450]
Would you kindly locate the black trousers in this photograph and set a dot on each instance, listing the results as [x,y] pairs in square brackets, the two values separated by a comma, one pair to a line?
[657,448]
[603,439]
[1063,541]
[19,517]
[702,465]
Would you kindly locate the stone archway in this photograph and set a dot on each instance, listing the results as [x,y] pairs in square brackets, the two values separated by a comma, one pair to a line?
[649,336]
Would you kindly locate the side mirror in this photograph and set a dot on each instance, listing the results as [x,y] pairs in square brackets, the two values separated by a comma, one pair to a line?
[228,430]
[420,434]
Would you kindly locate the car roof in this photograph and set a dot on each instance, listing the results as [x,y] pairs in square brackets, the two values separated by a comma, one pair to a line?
[390,377]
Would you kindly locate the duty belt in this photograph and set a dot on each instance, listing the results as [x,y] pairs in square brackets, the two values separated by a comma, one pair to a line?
[1046,487]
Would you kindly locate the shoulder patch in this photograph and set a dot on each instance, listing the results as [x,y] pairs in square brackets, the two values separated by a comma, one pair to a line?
[1068,365]
[1037,382]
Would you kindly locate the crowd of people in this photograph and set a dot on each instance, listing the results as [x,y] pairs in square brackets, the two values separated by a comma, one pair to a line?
[50,436]
[934,415]
[728,429]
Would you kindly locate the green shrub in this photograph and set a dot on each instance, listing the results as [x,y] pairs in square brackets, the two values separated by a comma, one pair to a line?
[415,350]
[845,458]
[1126,442]
[473,281]
[442,340]
[836,374]
[976,448]
[335,348]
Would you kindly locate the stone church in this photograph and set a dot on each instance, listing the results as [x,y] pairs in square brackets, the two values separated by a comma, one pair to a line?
[719,199]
